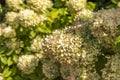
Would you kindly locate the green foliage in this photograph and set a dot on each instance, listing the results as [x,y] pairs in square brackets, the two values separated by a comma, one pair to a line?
[91,6]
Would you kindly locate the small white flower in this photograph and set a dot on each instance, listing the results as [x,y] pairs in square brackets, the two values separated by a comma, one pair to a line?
[39,5]
[85,13]
[14,4]
[27,63]
[8,32]
[77,5]
[36,46]
[118,4]
[28,18]
[10,17]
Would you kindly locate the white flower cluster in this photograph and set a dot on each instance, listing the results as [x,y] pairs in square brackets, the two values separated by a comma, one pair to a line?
[13,44]
[28,18]
[50,68]
[85,13]
[69,72]
[104,26]
[77,5]
[67,47]
[27,63]
[36,46]
[14,4]
[112,68]
[118,4]
[10,17]
[7,32]
[39,5]
[62,45]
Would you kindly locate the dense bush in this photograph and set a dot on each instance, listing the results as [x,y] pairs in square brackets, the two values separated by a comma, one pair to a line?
[59,40]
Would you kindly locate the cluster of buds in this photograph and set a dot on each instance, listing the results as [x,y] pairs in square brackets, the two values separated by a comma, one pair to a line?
[27,63]
[51,68]
[10,17]
[13,44]
[39,5]
[77,5]
[85,13]
[7,32]
[71,46]
[14,4]
[28,18]
[78,73]
[36,46]
[105,27]
[112,68]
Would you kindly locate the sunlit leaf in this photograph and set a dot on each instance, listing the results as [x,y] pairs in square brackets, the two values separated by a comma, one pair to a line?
[3,59]
[7,72]
[115,1]
[10,78]
[18,78]
[15,58]
[91,6]
[9,61]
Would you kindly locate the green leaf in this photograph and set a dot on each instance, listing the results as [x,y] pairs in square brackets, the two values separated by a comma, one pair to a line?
[18,78]
[117,43]
[2,51]
[10,78]
[3,59]
[9,61]
[111,6]
[54,13]
[14,70]
[115,1]
[58,3]
[62,11]
[7,72]
[44,29]
[117,40]
[90,6]
[32,34]
[9,53]
[15,58]
[33,77]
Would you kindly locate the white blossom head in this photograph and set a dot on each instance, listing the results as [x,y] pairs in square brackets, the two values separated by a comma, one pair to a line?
[71,46]
[8,32]
[112,68]
[118,4]
[76,5]
[14,4]
[13,44]
[85,13]
[50,68]
[105,27]
[36,45]
[39,5]
[27,63]
[28,18]
[10,17]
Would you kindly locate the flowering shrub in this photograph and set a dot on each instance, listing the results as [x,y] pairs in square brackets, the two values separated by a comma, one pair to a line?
[58,40]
